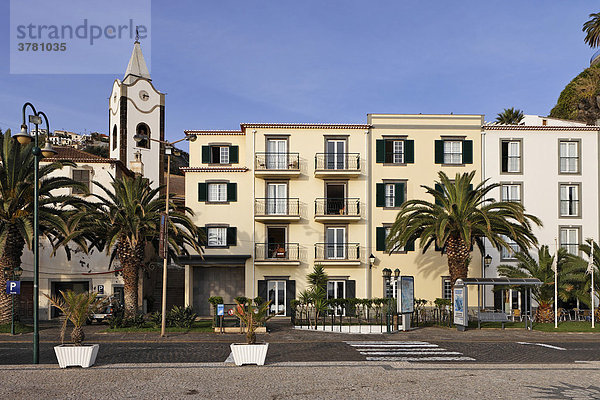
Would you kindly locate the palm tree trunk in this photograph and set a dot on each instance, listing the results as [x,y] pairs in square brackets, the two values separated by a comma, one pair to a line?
[131,261]
[10,258]
[458,254]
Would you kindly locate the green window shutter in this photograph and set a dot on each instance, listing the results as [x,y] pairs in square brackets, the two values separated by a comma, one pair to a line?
[380,238]
[467,149]
[234,152]
[399,194]
[202,191]
[232,192]
[410,246]
[439,151]
[438,188]
[204,235]
[232,236]
[205,154]
[380,151]
[380,195]
[409,151]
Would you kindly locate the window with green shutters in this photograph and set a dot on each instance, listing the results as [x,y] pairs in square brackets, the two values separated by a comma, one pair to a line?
[453,152]
[390,194]
[220,154]
[381,234]
[219,236]
[395,151]
[217,192]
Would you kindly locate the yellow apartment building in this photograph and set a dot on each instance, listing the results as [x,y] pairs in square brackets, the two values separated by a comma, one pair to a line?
[276,199]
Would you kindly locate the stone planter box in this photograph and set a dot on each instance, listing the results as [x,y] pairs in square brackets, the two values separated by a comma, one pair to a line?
[249,353]
[73,356]
[235,329]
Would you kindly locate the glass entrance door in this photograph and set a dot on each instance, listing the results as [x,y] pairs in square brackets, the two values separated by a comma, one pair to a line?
[337,290]
[276,294]
[277,198]
[276,154]
[336,154]
[336,243]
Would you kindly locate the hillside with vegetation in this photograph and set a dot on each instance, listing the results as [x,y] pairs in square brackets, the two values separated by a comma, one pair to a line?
[580,99]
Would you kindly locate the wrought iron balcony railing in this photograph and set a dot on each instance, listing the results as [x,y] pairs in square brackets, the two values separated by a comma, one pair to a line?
[277,162]
[277,207]
[337,206]
[337,161]
[337,251]
[276,251]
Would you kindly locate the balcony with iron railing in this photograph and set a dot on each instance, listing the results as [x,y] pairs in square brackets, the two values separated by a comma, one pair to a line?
[337,209]
[337,164]
[277,164]
[271,253]
[338,253]
[266,209]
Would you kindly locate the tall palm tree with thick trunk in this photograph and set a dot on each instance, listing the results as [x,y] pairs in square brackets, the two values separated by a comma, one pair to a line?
[126,219]
[510,116]
[460,217]
[16,208]
[592,30]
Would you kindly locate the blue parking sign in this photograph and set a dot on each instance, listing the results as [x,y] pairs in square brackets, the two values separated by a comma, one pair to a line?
[220,309]
[13,287]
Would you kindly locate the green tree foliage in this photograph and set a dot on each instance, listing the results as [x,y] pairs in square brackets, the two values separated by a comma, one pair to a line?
[592,30]
[510,116]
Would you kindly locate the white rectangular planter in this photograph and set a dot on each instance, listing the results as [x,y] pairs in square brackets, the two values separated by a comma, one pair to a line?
[72,356]
[249,353]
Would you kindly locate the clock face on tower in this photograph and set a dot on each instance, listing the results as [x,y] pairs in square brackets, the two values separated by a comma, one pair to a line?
[144,95]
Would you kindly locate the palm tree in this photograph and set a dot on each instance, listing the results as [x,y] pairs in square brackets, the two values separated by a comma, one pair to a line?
[126,219]
[16,208]
[528,267]
[459,218]
[510,116]
[579,266]
[592,30]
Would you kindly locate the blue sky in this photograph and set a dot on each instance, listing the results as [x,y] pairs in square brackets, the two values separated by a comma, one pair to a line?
[226,62]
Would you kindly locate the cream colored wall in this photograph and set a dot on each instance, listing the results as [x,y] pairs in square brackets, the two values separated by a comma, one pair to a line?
[427,268]
[307,232]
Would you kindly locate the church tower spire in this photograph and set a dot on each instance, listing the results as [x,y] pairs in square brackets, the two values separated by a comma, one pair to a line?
[137,107]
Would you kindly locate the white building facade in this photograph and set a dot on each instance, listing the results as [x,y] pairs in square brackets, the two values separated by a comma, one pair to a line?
[551,167]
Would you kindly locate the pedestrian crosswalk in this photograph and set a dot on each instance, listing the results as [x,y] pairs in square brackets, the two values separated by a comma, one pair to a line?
[414,351]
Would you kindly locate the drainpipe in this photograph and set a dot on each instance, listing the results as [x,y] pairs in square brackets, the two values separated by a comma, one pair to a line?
[369,216]
[483,179]
[253,213]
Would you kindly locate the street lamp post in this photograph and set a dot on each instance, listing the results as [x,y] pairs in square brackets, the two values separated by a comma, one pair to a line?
[25,138]
[13,274]
[169,149]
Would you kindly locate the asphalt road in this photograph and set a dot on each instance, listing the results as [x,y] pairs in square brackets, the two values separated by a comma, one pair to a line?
[546,352]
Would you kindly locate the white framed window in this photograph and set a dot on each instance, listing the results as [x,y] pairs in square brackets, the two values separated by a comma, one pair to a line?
[569,239]
[446,287]
[511,156]
[569,200]
[398,154]
[569,157]
[216,236]
[510,192]
[390,195]
[224,155]
[336,289]
[217,192]
[509,253]
[387,234]
[452,151]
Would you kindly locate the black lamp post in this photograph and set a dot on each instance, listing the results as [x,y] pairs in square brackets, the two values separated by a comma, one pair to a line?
[13,275]
[487,260]
[25,138]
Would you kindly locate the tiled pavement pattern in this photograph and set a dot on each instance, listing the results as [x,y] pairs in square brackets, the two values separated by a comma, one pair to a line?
[411,351]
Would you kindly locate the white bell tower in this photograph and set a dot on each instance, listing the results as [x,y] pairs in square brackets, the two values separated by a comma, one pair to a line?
[135,106]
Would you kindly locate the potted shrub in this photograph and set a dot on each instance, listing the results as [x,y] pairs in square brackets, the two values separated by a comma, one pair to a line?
[252,316]
[77,307]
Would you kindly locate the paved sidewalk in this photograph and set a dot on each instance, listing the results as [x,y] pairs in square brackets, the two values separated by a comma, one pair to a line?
[282,332]
[348,380]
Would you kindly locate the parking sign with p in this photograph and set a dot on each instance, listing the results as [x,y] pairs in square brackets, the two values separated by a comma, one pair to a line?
[13,287]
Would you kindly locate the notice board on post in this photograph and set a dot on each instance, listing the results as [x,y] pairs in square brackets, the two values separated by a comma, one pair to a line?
[406,298]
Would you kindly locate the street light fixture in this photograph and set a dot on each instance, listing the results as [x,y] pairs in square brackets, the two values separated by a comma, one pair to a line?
[169,149]
[371,260]
[25,138]
[396,273]
[487,260]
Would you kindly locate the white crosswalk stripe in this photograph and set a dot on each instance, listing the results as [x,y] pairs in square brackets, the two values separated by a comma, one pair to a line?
[413,351]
